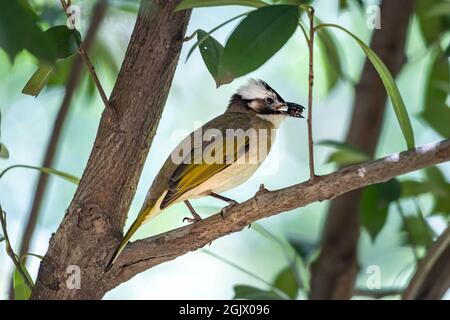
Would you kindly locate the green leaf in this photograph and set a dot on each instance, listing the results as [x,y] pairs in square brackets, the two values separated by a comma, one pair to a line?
[211,51]
[436,113]
[304,249]
[432,26]
[38,80]
[21,290]
[346,157]
[418,231]
[441,191]
[2,238]
[215,29]
[252,293]
[389,84]
[19,30]
[413,188]
[4,153]
[330,58]
[58,173]
[61,72]
[190,4]
[437,181]
[375,203]
[258,37]
[65,40]
[343,5]
[286,282]
[442,206]
[345,154]
[440,9]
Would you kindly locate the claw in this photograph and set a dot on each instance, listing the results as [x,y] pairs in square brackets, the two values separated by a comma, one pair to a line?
[228,207]
[191,220]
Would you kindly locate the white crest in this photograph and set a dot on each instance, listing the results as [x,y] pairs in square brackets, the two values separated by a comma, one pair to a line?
[254,89]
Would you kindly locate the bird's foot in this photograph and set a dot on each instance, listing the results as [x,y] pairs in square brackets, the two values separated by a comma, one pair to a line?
[194,219]
[228,207]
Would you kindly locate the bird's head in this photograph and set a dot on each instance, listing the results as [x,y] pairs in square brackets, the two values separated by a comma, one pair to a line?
[259,98]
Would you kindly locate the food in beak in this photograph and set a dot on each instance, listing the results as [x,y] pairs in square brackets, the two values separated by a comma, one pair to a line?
[294,110]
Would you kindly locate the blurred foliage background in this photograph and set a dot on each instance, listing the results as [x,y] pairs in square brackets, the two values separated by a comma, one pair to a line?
[261,255]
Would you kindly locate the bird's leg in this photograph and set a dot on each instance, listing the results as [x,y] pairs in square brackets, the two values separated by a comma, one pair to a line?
[231,202]
[195,215]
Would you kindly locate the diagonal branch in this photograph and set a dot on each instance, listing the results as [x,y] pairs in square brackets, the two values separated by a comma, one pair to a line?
[147,253]
[432,278]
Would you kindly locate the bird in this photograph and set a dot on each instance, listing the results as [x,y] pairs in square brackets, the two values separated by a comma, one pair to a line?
[219,156]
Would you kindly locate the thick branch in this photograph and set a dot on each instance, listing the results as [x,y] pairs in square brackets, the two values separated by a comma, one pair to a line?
[93,223]
[72,84]
[50,153]
[144,254]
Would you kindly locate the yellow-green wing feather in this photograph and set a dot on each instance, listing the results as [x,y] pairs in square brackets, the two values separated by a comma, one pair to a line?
[188,176]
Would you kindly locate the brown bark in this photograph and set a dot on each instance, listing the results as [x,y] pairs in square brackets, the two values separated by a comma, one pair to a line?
[93,223]
[334,272]
[72,84]
[144,254]
[50,153]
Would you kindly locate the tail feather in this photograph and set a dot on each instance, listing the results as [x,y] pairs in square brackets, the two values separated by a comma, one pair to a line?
[136,224]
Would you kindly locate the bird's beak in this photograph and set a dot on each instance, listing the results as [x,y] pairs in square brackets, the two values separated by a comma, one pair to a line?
[292,109]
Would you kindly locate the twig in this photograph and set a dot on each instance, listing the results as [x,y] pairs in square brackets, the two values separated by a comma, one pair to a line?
[312,174]
[10,251]
[83,53]
[189,38]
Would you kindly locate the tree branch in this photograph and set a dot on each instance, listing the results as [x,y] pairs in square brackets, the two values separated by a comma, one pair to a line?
[92,226]
[72,83]
[432,278]
[144,254]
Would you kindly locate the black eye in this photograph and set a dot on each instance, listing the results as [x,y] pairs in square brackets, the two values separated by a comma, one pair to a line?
[269,100]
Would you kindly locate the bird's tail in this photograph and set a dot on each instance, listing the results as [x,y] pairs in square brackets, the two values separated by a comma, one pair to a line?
[143,216]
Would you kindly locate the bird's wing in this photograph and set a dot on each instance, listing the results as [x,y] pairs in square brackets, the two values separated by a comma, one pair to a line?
[195,170]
